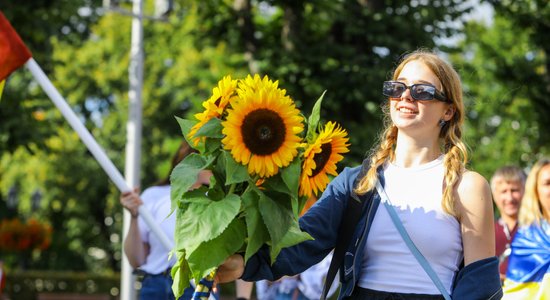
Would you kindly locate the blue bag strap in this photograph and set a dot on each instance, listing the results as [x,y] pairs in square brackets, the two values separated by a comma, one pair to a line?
[419,257]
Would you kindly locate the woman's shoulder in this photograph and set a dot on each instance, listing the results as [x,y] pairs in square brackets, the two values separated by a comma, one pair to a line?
[155,192]
[472,180]
[473,191]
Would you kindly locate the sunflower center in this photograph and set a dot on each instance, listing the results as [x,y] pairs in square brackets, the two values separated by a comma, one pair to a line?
[322,158]
[263,131]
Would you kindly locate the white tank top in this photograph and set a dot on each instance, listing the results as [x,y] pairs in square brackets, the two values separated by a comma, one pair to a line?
[416,194]
[157,200]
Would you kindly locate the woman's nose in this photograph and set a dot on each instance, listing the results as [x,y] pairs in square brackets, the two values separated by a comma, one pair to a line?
[406,95]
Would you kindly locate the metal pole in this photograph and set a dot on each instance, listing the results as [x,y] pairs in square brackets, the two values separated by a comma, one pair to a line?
[133,132]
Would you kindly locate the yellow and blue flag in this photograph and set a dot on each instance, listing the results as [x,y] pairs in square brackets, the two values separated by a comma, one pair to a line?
[528,275]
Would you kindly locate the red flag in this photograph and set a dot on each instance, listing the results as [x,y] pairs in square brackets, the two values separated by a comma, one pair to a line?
[13,52]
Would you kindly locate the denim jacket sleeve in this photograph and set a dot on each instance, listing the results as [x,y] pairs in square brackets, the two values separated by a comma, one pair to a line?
[322,222]
[478,280]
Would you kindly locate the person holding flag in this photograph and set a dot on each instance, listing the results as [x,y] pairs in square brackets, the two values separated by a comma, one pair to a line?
[13,55]
[144,251]
[528,275]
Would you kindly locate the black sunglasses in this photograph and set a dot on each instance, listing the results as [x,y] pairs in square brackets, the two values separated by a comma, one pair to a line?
[419,91]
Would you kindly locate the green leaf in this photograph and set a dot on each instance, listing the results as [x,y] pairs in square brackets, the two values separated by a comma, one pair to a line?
[212,145]
[185,175]
[185,126]
[204,219]
[276,183]
[293,236]
[209,255]
[235,172]
[276,217]
[313,120]
[257,231]
[291,175]
[215,193]
[181,274]
[212,128]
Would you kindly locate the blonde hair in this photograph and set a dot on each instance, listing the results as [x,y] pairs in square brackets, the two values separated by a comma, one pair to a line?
[456,153]
[531,211]
[510,174]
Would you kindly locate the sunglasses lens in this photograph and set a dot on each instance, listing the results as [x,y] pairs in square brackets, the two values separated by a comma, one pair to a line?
[422,92]
[393,89]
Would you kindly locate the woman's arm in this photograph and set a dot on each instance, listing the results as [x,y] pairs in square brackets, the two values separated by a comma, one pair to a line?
[134,248]
[475,208]
[322,222]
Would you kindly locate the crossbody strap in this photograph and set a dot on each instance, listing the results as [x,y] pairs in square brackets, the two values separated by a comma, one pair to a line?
[421,259]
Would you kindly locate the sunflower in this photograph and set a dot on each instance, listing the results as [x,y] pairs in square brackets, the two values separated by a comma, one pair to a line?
[262,127]
[222,95]
[321,157]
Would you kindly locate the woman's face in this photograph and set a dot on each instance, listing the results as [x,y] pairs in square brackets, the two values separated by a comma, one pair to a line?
[543,190]
[420,116]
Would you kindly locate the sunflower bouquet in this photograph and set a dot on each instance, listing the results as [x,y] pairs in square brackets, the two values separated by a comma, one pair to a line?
[267,160]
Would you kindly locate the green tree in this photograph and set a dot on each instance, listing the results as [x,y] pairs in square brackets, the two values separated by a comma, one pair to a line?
[37,22]
[346,47]
[79,200]
[505,72]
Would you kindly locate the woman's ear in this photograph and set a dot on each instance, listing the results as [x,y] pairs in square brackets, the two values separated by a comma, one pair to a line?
[449,113]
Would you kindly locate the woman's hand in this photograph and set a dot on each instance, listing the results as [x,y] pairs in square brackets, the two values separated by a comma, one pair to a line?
[231,269]
[203,178]
[131,201]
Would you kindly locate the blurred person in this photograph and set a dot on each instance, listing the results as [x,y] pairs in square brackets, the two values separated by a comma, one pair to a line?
[528,275]
[2,279]
[145,252]
[507,186]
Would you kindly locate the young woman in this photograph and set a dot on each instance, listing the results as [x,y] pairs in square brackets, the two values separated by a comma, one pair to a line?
[446,209]
[528,275]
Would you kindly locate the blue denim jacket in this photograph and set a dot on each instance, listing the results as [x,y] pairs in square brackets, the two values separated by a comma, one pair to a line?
[322,222]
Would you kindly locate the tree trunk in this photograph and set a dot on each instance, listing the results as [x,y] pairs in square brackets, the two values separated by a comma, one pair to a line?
[247,29]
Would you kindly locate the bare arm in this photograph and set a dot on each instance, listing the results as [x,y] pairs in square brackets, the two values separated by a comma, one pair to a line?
[134,248]
[476,218]
[244,289]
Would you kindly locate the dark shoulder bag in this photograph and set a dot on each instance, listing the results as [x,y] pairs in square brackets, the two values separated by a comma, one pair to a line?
[350,219]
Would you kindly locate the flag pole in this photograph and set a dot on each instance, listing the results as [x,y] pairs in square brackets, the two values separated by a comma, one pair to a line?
[93,146]
[133,136]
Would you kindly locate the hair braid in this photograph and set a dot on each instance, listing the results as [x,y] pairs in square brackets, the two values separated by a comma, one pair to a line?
[456,157]
[383,152]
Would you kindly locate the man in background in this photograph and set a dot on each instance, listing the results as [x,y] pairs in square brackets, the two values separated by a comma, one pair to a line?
[507,186]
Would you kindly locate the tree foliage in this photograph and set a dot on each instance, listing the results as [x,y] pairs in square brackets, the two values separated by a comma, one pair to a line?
[347,47]
[505,72]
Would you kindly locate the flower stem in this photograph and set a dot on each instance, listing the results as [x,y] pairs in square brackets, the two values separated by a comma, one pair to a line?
[231,189]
